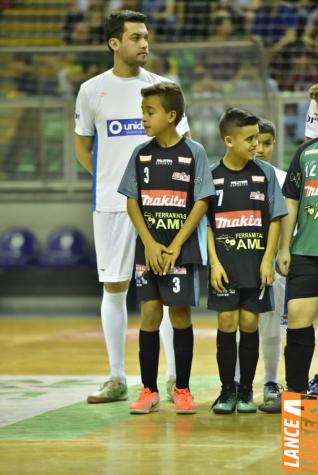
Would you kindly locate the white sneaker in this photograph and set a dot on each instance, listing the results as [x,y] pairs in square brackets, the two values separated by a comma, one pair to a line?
[271,391]
[114,389]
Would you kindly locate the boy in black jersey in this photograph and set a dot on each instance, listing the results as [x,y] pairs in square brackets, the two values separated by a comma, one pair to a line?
[244,216]
[167,183]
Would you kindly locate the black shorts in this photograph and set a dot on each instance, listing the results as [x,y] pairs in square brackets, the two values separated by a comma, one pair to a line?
[302,279]
[180,287]
[253,300]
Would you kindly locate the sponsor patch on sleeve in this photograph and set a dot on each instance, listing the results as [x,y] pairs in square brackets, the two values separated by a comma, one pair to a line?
[185,160]
[218,181]
[258,179]
[145,158]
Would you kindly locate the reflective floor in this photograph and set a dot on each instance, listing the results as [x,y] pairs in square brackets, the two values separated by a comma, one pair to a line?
[49,365]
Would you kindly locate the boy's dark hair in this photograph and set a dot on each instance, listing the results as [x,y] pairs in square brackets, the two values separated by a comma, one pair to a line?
[235,117]
[170,95]
[115,23]
[267,127]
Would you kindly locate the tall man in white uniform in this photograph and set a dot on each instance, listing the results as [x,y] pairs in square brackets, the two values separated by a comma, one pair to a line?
[311,128]
[108,128]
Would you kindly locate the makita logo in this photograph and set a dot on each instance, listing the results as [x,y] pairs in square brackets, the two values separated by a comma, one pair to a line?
[237,219]
[311,188]
[164,198]
[120,127]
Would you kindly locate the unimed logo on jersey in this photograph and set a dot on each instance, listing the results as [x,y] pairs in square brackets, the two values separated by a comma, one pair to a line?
[120,127]
[164,198]
[237,219]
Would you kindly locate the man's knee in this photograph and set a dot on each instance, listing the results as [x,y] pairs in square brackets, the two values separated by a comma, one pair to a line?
[116,287]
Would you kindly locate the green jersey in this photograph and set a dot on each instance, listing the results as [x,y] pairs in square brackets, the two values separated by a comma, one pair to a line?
[301,184]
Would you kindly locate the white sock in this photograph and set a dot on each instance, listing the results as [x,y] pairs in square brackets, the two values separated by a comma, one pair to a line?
[166,333]
[271,353]
[114,322]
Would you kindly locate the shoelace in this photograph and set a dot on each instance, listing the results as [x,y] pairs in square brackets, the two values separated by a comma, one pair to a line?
[183,393]
[107,383]
[274,388]
[143,393]
[224,395]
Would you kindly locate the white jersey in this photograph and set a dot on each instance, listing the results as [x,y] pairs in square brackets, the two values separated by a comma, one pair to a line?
[108,108]
[311,129]
[280,175]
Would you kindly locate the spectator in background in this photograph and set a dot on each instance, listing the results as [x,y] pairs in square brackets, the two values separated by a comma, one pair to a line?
[303,70]
[4,4]
[162,19]
[95,19]
[310,34]
[219,70]
[114,5]
[72,16]
[276,23]
[195,19]
[242,11]
[81,66]
[24,141]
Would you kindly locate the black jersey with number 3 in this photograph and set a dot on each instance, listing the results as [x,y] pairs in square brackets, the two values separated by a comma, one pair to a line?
[167,181]
[240,213]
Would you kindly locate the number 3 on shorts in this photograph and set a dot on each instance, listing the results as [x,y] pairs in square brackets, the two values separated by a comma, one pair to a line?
[176,285]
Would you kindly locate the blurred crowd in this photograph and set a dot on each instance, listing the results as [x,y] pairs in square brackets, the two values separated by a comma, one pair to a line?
[288,32]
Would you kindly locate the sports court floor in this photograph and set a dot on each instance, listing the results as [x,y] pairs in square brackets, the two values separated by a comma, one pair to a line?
[49,365]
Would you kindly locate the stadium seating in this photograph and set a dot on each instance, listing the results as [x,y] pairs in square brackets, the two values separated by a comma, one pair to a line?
[18,248]
[64,247]
[33,23]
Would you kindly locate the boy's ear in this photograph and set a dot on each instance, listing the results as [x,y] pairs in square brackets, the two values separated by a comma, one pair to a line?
[172,116]
[228,141]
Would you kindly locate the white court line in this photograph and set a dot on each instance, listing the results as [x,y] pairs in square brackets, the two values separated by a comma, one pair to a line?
[22,397]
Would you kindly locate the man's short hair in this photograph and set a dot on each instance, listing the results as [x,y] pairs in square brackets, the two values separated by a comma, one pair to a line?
[115,23]
[267,127]
[313,92]
[170,95]
[233,118]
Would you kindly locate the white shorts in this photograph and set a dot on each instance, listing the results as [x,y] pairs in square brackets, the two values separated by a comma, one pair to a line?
[270,322]
[115,240]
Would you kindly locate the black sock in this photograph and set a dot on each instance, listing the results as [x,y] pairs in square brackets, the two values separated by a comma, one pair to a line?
[298,355]
[183,351]
[226,355]
[149,347]
[248,354]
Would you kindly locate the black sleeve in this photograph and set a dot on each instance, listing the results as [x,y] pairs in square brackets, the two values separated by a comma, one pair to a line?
[292,184]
